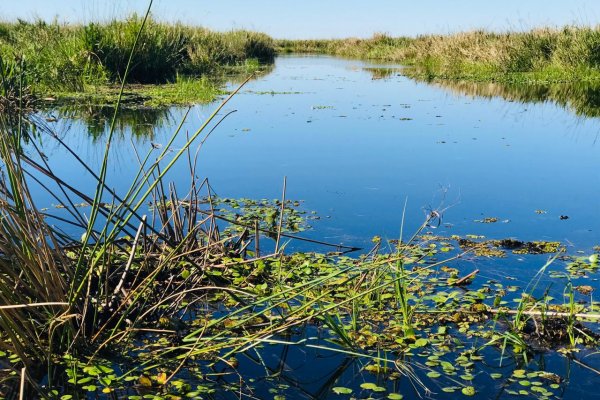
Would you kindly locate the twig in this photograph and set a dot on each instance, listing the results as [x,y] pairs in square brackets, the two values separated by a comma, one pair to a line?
[256,239]
[22,387]
[464,279]
[281,215]
[131,255]
[10,307]
[584,365]
[555,314]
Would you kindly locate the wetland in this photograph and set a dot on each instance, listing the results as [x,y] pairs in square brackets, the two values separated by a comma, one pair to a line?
[332,228]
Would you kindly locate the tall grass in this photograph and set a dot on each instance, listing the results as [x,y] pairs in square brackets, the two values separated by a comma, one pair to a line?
[57,298]
[62,57]
[560,53]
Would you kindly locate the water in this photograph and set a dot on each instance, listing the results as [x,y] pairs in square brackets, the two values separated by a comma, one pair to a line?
[357,148]
[357,141]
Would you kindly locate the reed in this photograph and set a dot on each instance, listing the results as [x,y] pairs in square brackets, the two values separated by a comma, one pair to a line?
[553,54]
[70,58]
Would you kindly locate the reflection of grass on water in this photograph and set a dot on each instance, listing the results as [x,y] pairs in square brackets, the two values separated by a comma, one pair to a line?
[141,122]
[582,98]
[381,72]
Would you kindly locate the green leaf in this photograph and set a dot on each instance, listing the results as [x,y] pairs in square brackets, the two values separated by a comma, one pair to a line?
[341,390]
[372,386]
[468,391]
[519,373]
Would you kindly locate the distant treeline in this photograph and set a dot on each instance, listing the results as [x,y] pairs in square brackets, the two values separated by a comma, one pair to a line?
[62,57]
[552,53]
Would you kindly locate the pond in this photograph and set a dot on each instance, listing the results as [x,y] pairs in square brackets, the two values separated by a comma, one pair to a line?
[374,152]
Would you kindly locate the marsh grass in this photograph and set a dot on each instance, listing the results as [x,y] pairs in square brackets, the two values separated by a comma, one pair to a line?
[540,55]
[63,58]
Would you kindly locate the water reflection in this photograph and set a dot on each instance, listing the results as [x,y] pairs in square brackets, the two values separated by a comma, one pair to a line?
[581,98]
[141,122]
[382,72]
[324,371]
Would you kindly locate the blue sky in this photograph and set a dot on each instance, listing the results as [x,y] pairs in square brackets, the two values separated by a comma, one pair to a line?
[326,18]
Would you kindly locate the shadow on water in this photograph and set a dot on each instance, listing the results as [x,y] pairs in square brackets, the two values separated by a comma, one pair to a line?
[582,98]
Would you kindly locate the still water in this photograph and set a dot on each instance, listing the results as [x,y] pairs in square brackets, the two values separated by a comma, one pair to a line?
[356,146]
[357,141]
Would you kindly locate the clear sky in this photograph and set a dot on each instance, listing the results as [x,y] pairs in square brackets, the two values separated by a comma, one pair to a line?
[325,18]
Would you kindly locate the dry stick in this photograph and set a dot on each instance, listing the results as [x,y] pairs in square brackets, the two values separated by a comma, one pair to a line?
[582,364]
[131,255]
[10,307]
[281,215]
[544,313]
[256,239]
[462,280]
[22,387]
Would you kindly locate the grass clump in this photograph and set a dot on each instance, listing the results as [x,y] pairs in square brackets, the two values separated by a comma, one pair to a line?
[61,58]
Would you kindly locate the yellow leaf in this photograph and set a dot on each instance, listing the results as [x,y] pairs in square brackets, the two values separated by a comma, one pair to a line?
[145,381]
[161,378]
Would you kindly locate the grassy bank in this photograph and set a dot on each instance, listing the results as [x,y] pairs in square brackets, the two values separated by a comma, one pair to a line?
[544,55]
[60,60]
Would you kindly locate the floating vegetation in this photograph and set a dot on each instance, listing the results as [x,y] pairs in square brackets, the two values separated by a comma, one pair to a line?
[264,214]
[487,220]
[271,92]
[322,107]
[496,248]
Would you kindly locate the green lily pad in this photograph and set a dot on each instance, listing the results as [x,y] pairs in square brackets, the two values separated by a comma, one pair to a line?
[341,390]
[468,391]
